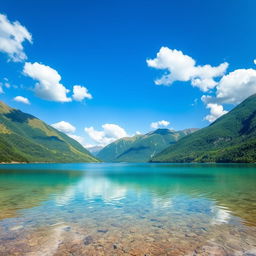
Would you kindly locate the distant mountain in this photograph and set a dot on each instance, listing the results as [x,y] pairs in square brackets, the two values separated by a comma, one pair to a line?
[140,148]
[94,150]
[111,152]
[231,138]
[25,138]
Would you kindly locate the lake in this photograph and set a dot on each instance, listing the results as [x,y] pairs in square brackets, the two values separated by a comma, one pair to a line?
[128,209]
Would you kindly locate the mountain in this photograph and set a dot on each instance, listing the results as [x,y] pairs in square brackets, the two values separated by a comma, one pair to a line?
[231,138]
[94,150]
[112,151]
[25,138]
[140,148]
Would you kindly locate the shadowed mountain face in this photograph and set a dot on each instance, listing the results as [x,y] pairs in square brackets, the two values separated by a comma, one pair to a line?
[140,148]
[24,138]
[231,138]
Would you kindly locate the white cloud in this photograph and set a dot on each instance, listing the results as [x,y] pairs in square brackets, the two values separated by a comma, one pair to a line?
[158,124]
[79,139]
[91,146]
[69,129]
[48,86]
[64,127]
[80,93]
[216,111]
[254,61]
[7,85]
[12,36]
[4,84]
[233,88]
[236,86]
[21,99]
[182,67]
[207,99]
[110,133]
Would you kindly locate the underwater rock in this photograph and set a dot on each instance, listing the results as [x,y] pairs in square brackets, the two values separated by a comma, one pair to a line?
[88,240]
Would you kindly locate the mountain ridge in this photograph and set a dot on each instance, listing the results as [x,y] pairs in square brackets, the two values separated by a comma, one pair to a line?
[25,138]
[140,148]
[231,138]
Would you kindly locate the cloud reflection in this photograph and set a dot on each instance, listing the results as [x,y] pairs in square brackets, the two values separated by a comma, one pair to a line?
[92,188]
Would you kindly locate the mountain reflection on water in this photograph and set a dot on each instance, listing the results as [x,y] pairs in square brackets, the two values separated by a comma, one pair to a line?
[230,188]
[127,209]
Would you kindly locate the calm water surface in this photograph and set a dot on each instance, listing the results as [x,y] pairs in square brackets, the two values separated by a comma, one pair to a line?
[127,209]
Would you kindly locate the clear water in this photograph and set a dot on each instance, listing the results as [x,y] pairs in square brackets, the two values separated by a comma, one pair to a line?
[127,209]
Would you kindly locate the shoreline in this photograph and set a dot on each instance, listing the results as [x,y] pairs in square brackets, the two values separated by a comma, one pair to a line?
[190,163]
[14,162]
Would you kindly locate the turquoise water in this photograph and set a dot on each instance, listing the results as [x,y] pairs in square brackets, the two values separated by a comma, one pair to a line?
[128,209]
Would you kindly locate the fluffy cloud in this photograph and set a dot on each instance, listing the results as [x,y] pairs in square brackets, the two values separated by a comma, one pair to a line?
[12,36]
[236,86]
[64,127]
[69,129]
[80,93]
[79,139]
[216,111]
[48,86]
[233,88]
[110,133]
[158,124]
[21,99]
[182,67]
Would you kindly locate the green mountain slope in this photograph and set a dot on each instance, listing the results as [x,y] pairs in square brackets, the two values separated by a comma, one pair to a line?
[231,138]
[24,138]
[140,148]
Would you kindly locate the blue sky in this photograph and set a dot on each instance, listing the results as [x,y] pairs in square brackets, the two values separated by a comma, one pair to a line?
[104,46]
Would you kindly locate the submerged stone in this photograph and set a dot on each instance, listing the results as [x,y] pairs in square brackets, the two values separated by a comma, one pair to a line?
[102,230]
[88,240]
